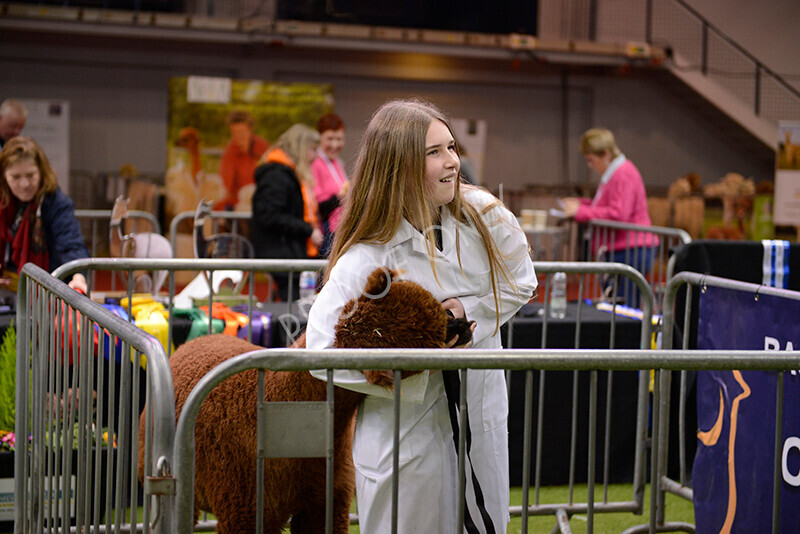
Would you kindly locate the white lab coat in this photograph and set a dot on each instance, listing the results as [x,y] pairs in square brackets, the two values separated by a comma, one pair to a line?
[428,461]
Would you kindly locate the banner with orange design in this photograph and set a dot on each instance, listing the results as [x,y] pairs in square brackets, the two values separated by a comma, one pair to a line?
[732,476]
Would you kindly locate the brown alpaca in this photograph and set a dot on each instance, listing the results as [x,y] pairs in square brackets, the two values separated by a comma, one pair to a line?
[225,435]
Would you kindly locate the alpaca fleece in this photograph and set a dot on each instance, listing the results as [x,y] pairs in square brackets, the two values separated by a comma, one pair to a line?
[391,313]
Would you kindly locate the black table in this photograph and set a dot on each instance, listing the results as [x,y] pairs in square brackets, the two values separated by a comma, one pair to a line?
[526,332]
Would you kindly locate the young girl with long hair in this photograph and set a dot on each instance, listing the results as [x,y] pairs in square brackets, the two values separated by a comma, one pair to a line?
[407,209]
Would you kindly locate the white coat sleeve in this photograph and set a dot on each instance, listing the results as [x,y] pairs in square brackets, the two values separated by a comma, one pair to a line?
[514,251]
[346,282]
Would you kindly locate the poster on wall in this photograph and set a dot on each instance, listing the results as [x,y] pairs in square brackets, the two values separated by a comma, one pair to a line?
[218,130]
[787,175]
[48,125]
[471,137]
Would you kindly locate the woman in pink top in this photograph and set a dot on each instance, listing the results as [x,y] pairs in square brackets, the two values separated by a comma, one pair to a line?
[329,175]
[620,197]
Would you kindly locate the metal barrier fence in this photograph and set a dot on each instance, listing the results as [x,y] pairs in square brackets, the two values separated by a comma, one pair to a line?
[99,244]
[580,273]
[139,221]
[663,400]
[586,272]
[646,248]
[76,394]
[232,218]
[543,360]
[516,359]
[213,268]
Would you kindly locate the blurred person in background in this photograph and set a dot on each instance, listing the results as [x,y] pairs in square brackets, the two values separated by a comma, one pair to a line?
[37,220]
[239,160]
[620,197]
[13,115]
[285,220]
[329,175]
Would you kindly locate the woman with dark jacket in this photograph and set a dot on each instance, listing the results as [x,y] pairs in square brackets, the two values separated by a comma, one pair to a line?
[285,220]
[37,220]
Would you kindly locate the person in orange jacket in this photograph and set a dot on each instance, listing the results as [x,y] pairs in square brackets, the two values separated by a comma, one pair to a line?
[285,219]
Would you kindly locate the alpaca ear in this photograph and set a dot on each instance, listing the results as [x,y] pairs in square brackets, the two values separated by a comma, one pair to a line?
[379,282]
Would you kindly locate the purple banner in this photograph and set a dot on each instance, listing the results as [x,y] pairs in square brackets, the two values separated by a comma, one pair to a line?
[732,476]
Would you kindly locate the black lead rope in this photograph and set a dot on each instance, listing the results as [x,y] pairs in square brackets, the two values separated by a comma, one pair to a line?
[452,389]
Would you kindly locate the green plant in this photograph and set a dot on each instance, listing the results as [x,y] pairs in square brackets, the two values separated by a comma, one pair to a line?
[8,369]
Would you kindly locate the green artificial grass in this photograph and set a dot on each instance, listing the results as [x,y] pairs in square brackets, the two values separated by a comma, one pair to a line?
[677,509]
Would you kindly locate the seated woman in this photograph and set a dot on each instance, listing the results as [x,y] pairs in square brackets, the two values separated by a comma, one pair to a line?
[37,220]
[620,197]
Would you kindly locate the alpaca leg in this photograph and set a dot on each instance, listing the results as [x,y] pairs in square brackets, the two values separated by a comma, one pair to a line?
[233,506]
[236,517]
[245,523]
[311,519]
[341,516]
[344,488]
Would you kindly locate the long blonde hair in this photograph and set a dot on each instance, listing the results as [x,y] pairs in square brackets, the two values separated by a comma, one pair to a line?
[295,142]
[388,185]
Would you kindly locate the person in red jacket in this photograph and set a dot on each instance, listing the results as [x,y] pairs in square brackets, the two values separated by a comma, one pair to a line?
[620,197]
[238,162]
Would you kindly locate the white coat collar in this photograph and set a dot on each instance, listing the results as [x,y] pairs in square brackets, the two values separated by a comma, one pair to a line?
[615,164]
[406,232]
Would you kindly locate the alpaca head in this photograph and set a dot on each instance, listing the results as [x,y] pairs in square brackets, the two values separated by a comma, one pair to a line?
[392,313]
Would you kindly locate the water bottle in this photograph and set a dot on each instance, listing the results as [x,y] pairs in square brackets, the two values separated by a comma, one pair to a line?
[308,285]
[558,296]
